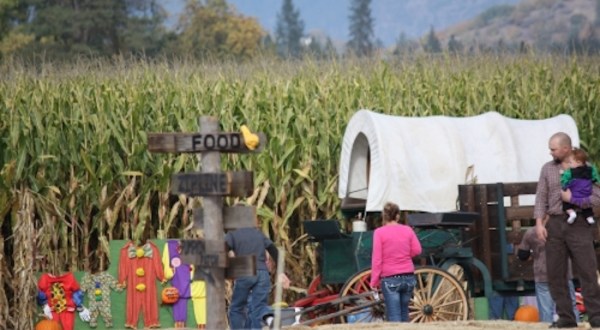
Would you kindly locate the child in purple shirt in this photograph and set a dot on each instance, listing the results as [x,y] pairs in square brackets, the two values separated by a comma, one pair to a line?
[579,178]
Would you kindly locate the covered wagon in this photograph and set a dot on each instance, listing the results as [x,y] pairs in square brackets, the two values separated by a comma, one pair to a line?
[467,184]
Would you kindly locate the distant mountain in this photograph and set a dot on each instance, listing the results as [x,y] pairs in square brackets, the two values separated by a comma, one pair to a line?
[540,23]
[414,18]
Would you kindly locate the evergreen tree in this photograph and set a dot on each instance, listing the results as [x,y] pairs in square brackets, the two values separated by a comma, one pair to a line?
[575,44]
[432,45]
[289,30]
[329,49]
[454,46]
[595,38]
[144,32]
[65,28]
[361,28]
[268,45]
[319,46]
[7,8]
[405,46]
[11,38]
[597,21]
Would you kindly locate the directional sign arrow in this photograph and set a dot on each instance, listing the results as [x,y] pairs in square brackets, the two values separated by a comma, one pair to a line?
[205,253]
[234,217]
[236,184]
[199,142]
[240,266]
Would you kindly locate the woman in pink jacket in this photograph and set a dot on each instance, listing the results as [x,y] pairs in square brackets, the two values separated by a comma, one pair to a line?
[394,246]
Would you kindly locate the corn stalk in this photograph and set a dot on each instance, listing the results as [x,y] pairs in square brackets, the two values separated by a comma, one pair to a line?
[76,137]
[22,310]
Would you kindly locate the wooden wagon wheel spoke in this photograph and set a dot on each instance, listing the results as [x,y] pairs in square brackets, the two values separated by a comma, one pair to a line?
[429,285]
[414,317]
[450,303]
[442,297]
[419,284]
[449,313]
[359,284]
[438,287]
[437,296]
[416,301]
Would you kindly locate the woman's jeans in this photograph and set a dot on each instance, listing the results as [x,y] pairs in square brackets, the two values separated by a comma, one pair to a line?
[249,301]
[397,292]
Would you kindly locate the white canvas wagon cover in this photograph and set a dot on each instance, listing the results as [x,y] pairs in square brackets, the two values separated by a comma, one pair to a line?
[418,162]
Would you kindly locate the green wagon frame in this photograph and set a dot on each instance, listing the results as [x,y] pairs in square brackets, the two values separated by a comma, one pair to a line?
[466,254]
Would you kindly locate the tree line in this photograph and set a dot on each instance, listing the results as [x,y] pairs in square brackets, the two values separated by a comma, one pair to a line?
[211,29]
[67,29]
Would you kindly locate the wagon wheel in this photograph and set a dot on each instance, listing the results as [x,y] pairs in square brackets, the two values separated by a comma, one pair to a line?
[438,296]
[316,287]
[318,294]
[357,284]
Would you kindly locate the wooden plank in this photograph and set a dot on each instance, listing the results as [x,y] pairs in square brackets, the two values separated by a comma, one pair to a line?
[204,253]
[442,219]
[521,188]
[526,212]
[241,266]
[234,217]
[519,212]
[485,228]
[235,184]
[468,204]
[514,200]
[466,197]
[510,189]
[198,142]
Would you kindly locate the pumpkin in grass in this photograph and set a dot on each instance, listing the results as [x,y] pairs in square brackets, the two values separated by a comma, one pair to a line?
[48,325]
[170,295]
[527,313]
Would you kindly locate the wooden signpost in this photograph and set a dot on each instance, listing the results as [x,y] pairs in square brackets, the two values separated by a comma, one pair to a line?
[209,255]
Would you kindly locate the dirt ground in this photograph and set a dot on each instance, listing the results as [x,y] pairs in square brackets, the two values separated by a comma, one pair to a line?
[458,325]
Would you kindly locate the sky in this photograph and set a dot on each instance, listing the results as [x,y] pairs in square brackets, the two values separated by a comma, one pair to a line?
[414,18]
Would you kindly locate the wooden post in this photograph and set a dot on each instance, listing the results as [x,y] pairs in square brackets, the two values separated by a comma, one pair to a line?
[209,255]
[213,229]
[278,289]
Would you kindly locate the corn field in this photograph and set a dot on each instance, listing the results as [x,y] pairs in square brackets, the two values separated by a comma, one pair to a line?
[75,172]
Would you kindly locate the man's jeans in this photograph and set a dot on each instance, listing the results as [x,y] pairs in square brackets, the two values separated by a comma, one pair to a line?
[397,292]
[252,291]
[546,305]
[502,307]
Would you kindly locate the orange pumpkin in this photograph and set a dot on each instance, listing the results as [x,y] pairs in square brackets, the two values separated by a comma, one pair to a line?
[170,295]
[527,313]
[46,324]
